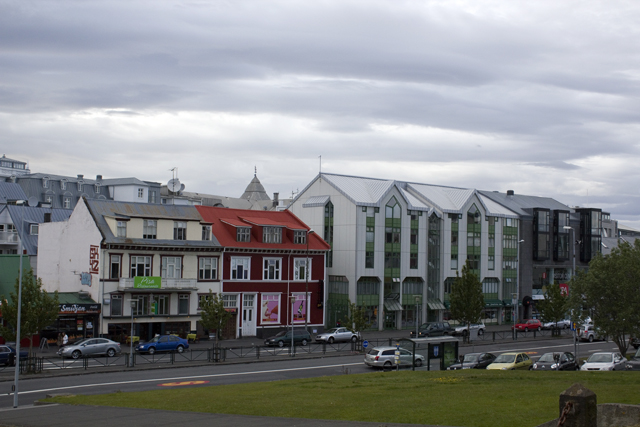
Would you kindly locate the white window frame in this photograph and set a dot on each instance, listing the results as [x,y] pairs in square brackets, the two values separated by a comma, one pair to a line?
[121,228]
[48,198]
[140,193]
[136,260]
[243,234]
[206,232]
[181,298]
[166,304]
[230,300]
[66,202]
[208,265]
[300,237]
[244,272]
[115,259]
[33,229]
[150,229]
[299,265]
[271,234]
[119,300]
[271,268]
[171,267]
[179,230]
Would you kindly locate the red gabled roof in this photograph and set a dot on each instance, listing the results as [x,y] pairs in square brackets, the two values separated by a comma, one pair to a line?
[224,222]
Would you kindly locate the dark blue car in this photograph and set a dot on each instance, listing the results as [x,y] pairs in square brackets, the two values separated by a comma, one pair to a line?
[163,343]
[8,355]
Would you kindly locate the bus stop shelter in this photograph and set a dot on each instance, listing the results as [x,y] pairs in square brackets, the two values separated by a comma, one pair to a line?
[436,350]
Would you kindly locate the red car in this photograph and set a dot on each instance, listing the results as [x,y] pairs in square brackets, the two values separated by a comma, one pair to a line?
[528,325]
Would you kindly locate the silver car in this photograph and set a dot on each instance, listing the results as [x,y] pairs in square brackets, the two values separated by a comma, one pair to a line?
[605,361]
[337,335]
[90,347]
[560,324]
[384,357]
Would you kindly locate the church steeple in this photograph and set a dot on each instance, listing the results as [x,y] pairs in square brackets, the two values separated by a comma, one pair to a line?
[255,191]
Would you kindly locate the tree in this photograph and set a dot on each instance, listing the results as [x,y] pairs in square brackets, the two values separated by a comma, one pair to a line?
[554,306]
[39,309]
[466,298]
[356,319]
[213,314]
[609,292]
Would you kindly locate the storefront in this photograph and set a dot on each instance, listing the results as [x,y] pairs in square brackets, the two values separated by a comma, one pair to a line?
[78,317]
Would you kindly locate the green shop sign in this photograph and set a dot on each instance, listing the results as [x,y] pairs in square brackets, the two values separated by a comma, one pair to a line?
[150,282]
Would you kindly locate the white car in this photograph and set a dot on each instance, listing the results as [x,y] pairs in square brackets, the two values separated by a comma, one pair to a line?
[560,324]
[337,335]
[464,330]
[589,333]
[605,361]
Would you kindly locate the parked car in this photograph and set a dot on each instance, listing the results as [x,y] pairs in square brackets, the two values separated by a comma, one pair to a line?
[8,355]
[589,333]
[560,324]
[336,335]
[474,361]
[432,329]
[605,361]
[565,362]
[464,329]
[90,347]
[282,338]
[633,364]
[384,357]
[163,343]
[527,325]
[511,361]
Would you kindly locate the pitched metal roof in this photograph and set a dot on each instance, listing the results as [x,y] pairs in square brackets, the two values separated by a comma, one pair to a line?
[447,199]
[520,203]
[23,216]
[496,209]
[361,191]
[10,192]
[316,201]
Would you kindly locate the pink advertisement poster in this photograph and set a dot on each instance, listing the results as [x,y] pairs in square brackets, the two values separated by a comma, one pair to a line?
[270,309]
[299,309]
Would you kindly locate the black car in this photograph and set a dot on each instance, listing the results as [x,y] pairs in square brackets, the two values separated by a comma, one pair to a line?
[633,364]
[8,355]
[556,362]
[433,329]
[473,361]
[282,338]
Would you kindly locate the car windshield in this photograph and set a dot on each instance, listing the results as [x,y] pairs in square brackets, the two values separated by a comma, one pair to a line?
[281,333]
[547,357]
[373,352]
[154,339]
[332,331]
[80,342]
[600,358]
[505,358]
[470,358]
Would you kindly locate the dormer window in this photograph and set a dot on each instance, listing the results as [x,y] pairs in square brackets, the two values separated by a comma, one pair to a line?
[271,235]
[300,237]
[80,185]
[140,193]
[206,232]
[33,229]
[63,184]
[243,234]
[121,229]
[97,188]
[45,182]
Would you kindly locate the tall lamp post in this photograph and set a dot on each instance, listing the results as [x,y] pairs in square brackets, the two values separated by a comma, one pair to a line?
[306,289]
[19,319]
[516,301]
[133,303]
[573,272]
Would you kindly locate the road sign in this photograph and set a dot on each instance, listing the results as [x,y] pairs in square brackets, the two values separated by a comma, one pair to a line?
[365,344]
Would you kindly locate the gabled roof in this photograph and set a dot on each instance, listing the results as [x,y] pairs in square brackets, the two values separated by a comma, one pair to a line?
[224,222]
[522,204]
[23,216]
[10,192]
[101,209]
[447,199]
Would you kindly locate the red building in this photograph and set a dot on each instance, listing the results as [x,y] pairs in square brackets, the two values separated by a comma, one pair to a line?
[265,281]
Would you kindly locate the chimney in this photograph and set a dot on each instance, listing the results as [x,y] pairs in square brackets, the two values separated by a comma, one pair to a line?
[275,199]
[80,176]
[47,217]
[510,193]
[98,177]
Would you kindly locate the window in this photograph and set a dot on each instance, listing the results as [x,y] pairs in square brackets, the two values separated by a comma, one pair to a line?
[140,193]
[121,229]
[142,305]
[116,305]
[300,237]
[454,238]
[48,198]
[179,230]
[474,262]
[183,304]
[299,268]
[33,229]
[230,301]
[202,298]
[160,304]
[271,269]
[140,266]
[152,196]
[240,268]
[454,261]
[171,267]
[243,234]
[150,229]
[45,182]
[473,239]
[66,202]
[413,260]
[271,235]
[491,262]
[208,268]
[206,232]
[369,261]
[96,188]
[80,183]
[328,231]
[115,264]
[63,184]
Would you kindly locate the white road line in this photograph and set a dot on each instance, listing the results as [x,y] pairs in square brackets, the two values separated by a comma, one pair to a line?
[185,378]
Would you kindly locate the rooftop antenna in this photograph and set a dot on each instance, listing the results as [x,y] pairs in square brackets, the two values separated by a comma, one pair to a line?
[174,184]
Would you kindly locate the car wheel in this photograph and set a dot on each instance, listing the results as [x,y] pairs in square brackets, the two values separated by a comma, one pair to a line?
[354,338]
[526,329]
[280,343]
[418,363]
[387,365]
[76,354]
[180,349]
[304,342]
[590,338]
[331,340]
[152,350]
[111,352]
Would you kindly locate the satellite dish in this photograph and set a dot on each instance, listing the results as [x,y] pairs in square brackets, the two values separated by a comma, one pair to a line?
[33,201]
[174,185]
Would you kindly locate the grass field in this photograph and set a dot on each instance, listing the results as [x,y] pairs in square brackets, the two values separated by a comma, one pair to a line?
[471,398]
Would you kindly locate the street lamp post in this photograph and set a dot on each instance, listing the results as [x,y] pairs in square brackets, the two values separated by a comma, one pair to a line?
[306,290]
[133,305]
[517,299]
[573,272]
[19,319]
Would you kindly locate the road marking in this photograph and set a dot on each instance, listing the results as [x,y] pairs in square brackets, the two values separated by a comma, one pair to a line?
[185,378]
[183,383]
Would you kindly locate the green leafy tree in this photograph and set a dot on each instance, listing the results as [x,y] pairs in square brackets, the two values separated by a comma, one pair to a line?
[39,309]
[213,315]
[609,292]
[356,319]
[554,306]
[466,298]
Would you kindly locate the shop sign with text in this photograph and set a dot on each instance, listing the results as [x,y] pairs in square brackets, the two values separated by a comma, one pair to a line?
[149,282]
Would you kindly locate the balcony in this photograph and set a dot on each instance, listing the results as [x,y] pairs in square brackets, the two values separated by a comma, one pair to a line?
[8,237]
[126,284]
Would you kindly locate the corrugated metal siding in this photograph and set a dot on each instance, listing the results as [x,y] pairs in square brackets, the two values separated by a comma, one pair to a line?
[24,216]
[11,192]
[361,191]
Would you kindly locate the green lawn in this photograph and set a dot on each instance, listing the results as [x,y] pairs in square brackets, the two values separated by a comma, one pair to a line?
[455,398]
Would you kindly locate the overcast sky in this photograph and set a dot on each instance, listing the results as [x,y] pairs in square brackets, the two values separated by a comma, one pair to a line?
[541,97]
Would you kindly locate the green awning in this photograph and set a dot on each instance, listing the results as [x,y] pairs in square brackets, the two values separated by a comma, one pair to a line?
[435,304]
[493,303]
[74,298]
[392,305]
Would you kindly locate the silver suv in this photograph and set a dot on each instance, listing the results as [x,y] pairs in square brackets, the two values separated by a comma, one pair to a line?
[384,357]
